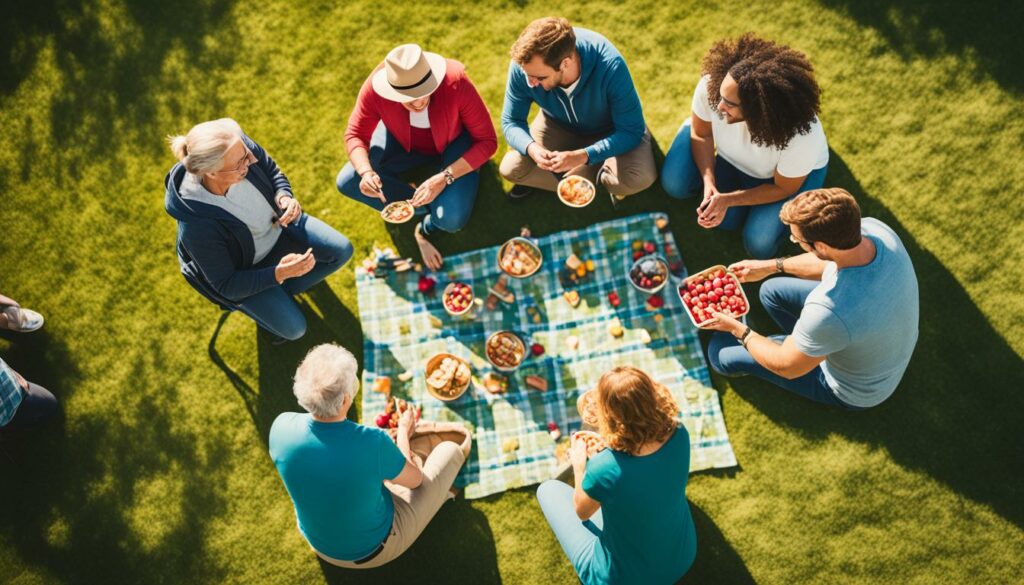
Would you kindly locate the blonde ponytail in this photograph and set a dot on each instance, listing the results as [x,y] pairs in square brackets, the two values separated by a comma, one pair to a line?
[202,149]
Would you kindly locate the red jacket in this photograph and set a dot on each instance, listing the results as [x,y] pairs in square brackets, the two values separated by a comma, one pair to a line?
[454,106]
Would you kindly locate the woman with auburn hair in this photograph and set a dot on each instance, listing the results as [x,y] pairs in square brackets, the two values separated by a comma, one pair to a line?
[627,519]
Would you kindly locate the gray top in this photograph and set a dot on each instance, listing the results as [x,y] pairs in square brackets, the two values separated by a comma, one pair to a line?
[864,319]
[245,202]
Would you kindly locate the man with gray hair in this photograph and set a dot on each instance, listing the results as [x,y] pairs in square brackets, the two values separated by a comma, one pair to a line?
[360,498]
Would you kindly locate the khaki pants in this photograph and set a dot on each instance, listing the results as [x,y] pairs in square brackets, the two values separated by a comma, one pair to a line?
[440,449]
[623,175]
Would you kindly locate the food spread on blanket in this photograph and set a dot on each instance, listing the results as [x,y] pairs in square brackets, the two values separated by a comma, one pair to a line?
[505,350]
[449,378]
[398,212]
[711,290]
[576,191]
[519,257]
[594,442]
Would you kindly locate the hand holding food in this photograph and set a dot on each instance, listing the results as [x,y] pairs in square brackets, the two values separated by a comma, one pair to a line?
[713,291]
[371,185]
[290,210]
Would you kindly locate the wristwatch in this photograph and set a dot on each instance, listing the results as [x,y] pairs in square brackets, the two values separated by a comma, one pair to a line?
[779,269]
[744,336]
[449,178]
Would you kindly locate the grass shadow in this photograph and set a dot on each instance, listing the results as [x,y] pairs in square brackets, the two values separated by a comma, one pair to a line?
[957,414]
[931,29]
[439,555]
[78,495]
[717,561]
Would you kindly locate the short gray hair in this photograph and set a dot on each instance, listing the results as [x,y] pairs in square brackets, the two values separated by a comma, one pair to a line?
[202,150]
[324,378]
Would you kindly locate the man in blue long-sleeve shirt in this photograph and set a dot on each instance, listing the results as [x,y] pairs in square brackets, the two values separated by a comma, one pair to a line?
[590,121]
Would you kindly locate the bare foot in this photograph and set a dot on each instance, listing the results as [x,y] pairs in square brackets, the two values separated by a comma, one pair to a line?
[431,257]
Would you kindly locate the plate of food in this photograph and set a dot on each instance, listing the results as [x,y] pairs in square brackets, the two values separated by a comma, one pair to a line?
[712,289]
[398,212]
[649,274]
[519,258]
[587,406]
[576,191]
[594,442]
[447,376]
[505,350]
[457,298]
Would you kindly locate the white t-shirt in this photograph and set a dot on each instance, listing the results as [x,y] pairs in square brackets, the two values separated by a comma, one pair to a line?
[244,201]
[420,119]
[572,87]
[805,153]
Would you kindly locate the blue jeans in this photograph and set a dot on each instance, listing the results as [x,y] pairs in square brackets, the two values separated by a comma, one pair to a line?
[274,309]
[784,298]
[763,231]
[577,537]
[37,405]
[449,212]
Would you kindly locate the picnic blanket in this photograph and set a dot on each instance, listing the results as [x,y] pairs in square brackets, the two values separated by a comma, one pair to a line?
[512,445]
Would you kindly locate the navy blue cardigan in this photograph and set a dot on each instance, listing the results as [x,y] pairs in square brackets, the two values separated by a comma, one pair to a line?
[215,249]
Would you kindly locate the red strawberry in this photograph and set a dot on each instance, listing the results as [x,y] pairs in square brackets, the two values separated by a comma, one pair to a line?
[552,426]
[426,284]
[649,247]
[537,349]
[656,301]
[613,299]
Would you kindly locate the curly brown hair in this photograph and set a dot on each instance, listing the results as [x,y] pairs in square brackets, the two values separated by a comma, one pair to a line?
[634,410]
[778,93]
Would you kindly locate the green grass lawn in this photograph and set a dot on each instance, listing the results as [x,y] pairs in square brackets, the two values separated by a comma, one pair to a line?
[159,472]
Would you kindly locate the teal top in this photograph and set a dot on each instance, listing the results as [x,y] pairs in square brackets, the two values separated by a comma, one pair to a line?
[648,534]
[334,473]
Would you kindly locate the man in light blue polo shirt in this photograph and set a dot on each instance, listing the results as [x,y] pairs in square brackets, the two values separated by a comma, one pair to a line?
[850,313]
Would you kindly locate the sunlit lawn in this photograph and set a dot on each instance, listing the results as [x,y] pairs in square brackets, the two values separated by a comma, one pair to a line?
[159,472]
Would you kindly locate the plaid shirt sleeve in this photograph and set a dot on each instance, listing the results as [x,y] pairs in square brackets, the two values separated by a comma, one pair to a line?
[10,394]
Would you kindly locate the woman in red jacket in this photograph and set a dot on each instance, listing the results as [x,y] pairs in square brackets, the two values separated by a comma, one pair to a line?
[417,110]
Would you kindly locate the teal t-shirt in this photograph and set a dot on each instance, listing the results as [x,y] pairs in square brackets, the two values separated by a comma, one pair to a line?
[334,473]
[648,534]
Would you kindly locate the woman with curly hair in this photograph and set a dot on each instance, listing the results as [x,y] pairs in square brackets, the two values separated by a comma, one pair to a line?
[757,103]
[627,519]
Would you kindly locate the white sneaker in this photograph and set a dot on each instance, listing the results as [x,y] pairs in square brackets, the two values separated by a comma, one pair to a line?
[27,319]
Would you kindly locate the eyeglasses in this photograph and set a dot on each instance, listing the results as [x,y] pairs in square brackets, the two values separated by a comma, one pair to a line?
[798,241]
[243,164]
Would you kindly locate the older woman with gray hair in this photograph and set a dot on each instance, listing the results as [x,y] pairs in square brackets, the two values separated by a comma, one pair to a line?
[243,241]
[361,498]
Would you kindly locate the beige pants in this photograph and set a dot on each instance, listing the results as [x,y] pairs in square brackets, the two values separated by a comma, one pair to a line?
[440,449]
[623,175]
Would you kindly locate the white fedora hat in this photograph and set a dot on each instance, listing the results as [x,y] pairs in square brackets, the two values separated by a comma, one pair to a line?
[409,74]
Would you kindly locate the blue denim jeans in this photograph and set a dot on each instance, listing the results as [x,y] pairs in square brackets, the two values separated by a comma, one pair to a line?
[762,229]
[37,406]
[449,212]
[576,536]
[274,309]
[783,298]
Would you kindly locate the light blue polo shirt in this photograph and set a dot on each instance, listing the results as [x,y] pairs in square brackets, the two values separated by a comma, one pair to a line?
[334,473]
[864,319]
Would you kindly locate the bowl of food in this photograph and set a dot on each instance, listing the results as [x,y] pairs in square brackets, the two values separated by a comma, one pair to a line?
[457,298]
[447,376]
[595,443]
[519,258]
[649,274]
[576,191]
[505,350]
[710,290]
[587,406]
[398,212]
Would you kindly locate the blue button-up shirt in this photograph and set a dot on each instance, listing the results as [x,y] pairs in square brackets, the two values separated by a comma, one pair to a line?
[10,393]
